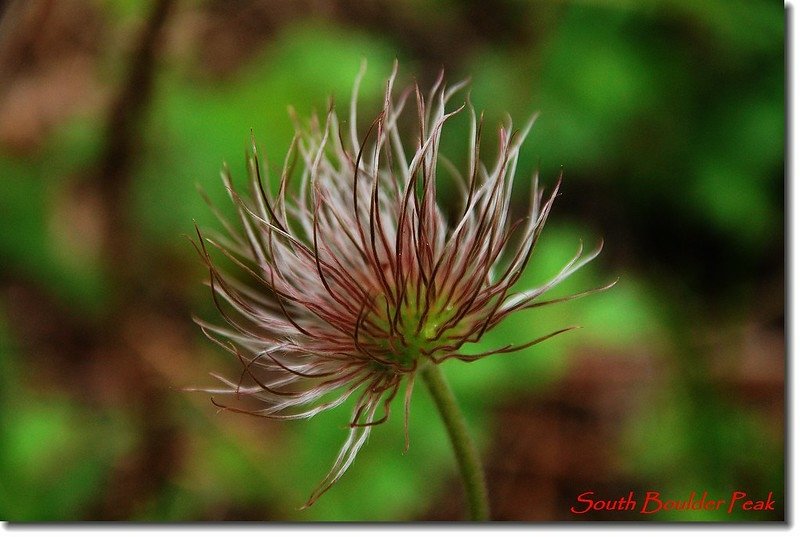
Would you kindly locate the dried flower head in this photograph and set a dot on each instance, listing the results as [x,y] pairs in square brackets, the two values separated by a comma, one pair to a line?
[358,280]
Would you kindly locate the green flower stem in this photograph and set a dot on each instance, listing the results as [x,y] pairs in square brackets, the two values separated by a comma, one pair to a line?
[468,459]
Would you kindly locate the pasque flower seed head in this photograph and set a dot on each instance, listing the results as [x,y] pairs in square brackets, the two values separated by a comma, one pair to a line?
[357,279]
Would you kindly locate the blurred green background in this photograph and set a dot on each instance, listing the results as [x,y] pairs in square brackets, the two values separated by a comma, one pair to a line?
[667,118]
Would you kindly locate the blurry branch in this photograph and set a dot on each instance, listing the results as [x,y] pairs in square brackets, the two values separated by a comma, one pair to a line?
[129,105]
[159,446]
[96,358]
[122,133]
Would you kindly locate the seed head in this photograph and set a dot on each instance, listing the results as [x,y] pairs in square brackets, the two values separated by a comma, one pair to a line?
[357,278]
